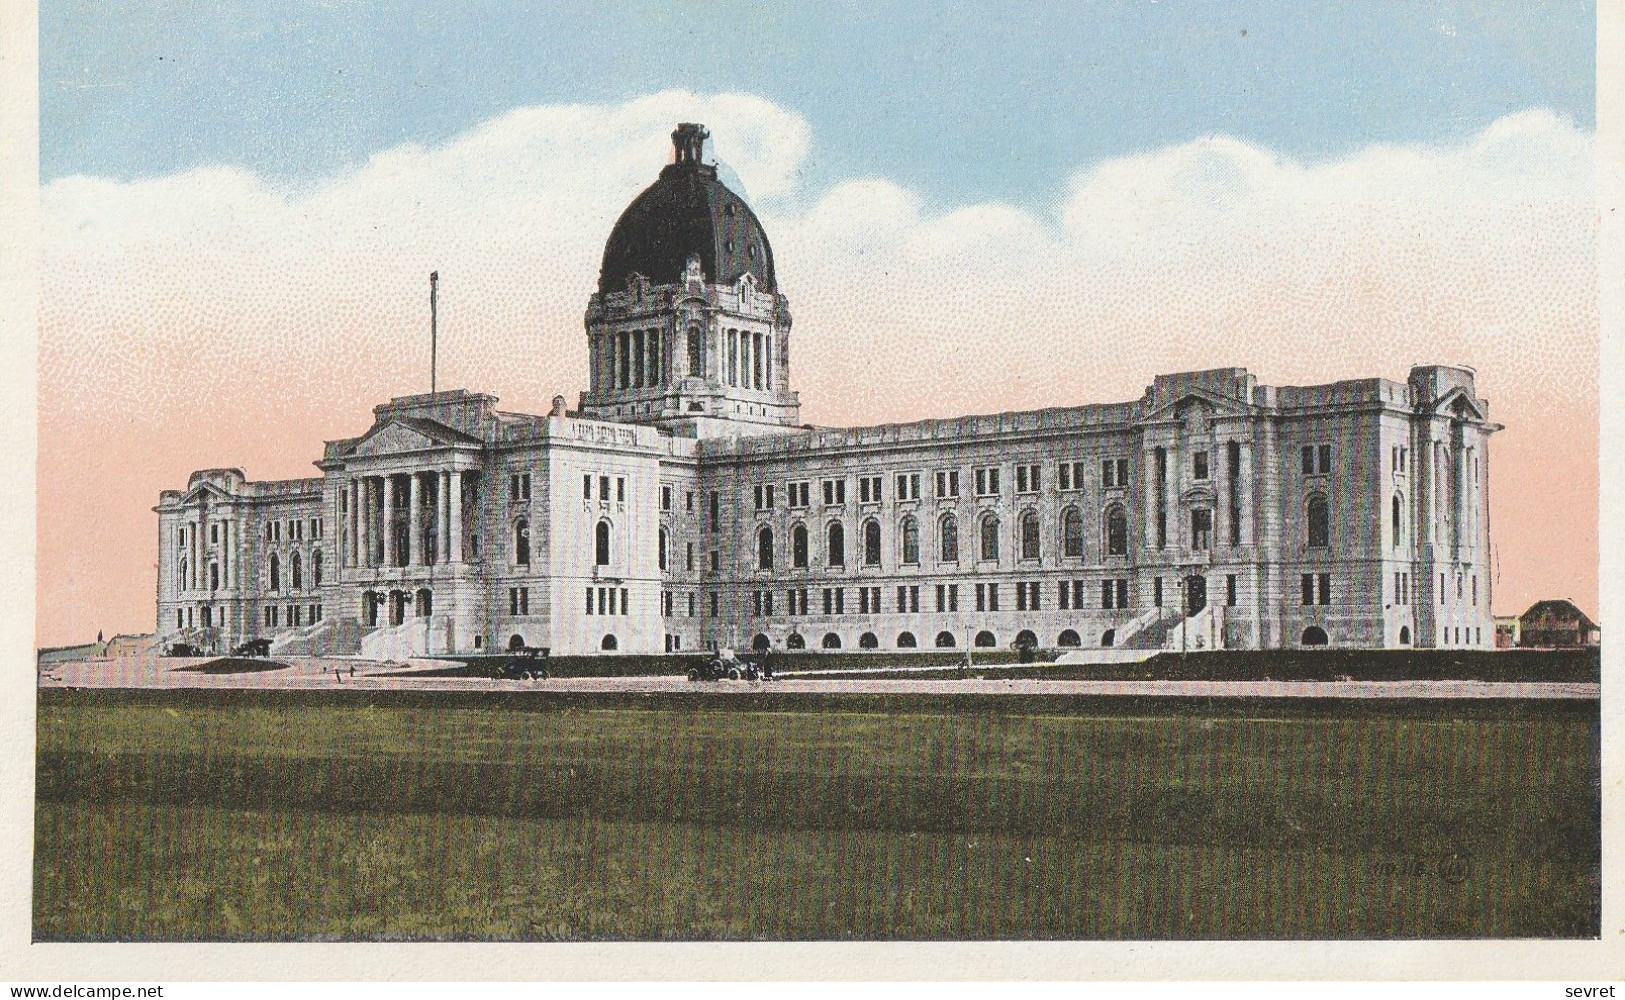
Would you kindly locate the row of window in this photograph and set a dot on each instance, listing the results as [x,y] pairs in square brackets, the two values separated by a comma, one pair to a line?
[274,529]
[296,572]
[296,615]
[1070,596]
[608,601]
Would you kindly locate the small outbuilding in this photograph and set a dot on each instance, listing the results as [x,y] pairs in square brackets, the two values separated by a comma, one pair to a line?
[1557,624]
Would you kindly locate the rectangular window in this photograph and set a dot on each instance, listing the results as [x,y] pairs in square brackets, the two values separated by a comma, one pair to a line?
[829,601]
[1063,595]
[716,604]
[987,482]
[665,498]
[1199,465]
[1035,600]
[942,598]
[834,492]
[688,556]
[716,560]
[1475,590]
[1317,459]
[765,496]
[953,597]
[716,511]
[756,603]
[948,484]
[1156,592]
[1230,589]
[868,489]
[1325,452]
[981,597]
[603,601]
[620,489]
[688,501]
[993,597]
[603,489]
[1325,582]
[1027,479]
[1021,597]
[1122,593]
[1114,472]
[586,486]
[1307,582]
[1201,529]
[908,486]
[1070,475]
[519,487]
[798,494]
[691,605]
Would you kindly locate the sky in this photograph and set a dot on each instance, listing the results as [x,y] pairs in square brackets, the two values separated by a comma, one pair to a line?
[977,208]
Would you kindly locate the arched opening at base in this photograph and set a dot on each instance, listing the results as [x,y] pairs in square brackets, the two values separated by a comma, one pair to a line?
[795,641]
[868,640]
[831,641]
[1068,640]
[1404,635]
[945,640]
[906,640]
[1026,639]
[986,640]
[761,643]
[1314,635]
[516,642]
[1108,637]
[610,643]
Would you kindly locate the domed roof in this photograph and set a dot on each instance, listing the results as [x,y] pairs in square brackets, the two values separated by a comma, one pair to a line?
[687,211]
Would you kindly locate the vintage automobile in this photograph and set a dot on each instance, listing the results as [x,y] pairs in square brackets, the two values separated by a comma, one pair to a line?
[253,647]
[526,663]
[723,663]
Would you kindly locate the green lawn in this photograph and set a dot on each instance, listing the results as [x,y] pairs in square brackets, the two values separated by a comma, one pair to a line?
[185,815]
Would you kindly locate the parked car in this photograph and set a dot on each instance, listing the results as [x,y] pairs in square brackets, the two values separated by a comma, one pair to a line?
[253,647]
[528,663]
[185,649]
[722,664]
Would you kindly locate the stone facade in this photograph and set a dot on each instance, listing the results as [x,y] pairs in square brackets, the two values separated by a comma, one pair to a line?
[682,506]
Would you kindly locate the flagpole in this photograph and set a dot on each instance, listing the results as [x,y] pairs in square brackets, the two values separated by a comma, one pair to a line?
[434,329]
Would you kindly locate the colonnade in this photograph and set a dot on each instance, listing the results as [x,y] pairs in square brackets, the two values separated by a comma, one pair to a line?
[428,502]
[749,359]
[631,359]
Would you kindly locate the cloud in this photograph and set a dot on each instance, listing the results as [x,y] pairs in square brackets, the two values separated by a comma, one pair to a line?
[216,317]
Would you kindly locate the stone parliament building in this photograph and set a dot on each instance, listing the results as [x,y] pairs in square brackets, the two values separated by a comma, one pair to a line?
[682,505]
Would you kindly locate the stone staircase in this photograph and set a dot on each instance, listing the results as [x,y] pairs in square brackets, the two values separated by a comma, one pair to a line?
[397,642]
[1148,631]
[331,637]
[1203,630]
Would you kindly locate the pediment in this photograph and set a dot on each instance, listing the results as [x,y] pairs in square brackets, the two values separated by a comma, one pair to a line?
[1457,403]
[1197,405]
[392,439]
[206,493]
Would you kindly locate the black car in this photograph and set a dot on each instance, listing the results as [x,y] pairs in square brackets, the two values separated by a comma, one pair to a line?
[528,663]
[724,664]
[253,647]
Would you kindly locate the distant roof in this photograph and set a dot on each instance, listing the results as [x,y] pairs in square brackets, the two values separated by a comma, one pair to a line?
[1559,608]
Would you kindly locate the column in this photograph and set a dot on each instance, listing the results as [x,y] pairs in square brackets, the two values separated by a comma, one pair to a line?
[1245,496]
[756,360]
[414,521]
[387,521]
[769,367]
[363,522]
[352,548]
[1148,466]
[442,512]
[455,500]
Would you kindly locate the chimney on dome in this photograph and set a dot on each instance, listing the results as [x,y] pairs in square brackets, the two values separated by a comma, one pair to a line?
[688,142]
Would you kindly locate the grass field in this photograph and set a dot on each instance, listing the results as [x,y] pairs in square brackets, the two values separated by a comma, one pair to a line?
[334,815]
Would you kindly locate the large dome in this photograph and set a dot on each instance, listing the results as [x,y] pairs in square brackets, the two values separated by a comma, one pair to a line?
[687,211]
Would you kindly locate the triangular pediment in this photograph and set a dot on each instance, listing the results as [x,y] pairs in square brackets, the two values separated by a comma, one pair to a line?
[1457,403]
[206,493]
[1196,402]
[393,438]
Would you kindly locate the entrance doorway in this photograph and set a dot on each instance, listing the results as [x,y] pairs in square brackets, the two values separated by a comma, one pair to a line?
[1195,594]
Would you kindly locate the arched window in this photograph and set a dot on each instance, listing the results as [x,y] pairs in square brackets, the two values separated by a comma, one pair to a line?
[1314,635]
[1320,528]
[798,546]
[948,549]
[369,608]
[837,544]
[761,643]
[764,549]
[665,545]
[1029,535]
[516,642]
[609,643]
[316,568]
[521,542]
[1072,532]
[1404,635]
[601,553]
[795,640]
[945,640]
[911,541]
[298,572]
[1069,640]
[871,542]
[1108,637]
[868,640]
[696,363]
[986,640]
[1026,639]
[276,573]
[425,602]
[1399,523]
[831,641]
[906,640]
[1116,531]
[990,538]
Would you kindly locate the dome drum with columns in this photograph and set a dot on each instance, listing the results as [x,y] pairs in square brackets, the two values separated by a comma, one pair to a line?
[687,330]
